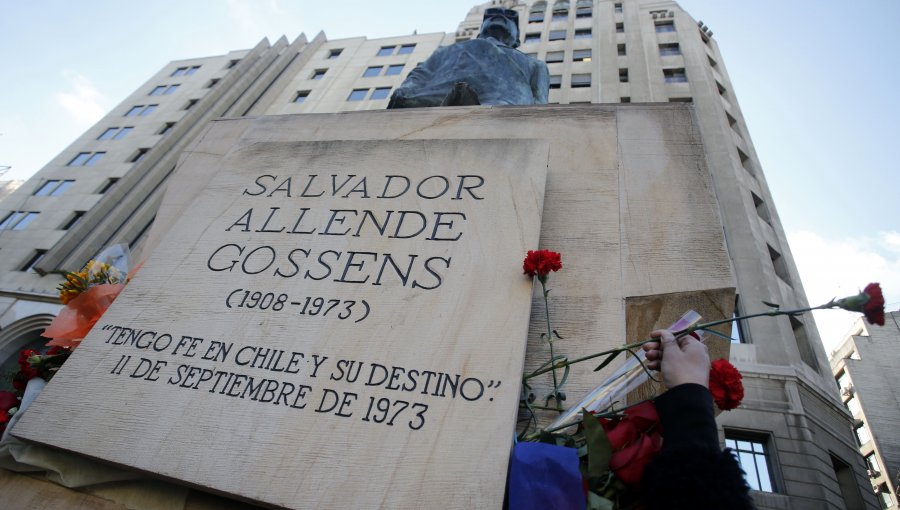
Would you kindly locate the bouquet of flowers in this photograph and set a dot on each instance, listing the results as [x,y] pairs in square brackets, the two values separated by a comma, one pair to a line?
[595,454]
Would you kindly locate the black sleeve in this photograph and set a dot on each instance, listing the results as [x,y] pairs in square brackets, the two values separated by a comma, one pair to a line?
[691,472]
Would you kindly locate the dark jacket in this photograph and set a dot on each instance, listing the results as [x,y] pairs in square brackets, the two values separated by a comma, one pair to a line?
[691,471]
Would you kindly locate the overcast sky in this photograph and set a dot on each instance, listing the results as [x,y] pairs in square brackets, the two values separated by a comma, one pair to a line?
[815,79]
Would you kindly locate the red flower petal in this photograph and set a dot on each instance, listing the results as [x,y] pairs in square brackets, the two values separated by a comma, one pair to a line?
[541,262]
[725,385]
[874,307]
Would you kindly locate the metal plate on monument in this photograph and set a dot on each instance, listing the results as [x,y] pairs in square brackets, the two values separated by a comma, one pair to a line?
[329,324]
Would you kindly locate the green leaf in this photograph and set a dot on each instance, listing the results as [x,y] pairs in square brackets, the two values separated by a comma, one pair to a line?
[599,449]
[608,360]
[772,305]
[597,502]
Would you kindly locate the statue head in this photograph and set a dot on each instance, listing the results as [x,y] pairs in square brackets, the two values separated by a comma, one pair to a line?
[502,25]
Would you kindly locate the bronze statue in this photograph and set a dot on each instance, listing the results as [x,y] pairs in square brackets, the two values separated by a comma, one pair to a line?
[488,70]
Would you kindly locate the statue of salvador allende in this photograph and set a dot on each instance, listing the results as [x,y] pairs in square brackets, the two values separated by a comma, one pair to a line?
[488,70]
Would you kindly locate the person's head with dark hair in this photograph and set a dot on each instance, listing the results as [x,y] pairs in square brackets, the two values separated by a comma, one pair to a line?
[502,25]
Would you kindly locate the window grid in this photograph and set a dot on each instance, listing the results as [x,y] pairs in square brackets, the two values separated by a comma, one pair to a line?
[752,455]
[185,71]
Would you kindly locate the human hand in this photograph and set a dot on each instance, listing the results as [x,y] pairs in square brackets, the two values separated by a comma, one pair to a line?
[686,359]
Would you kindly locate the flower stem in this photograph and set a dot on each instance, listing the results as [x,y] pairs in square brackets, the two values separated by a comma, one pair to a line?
[770,313]
[546,292]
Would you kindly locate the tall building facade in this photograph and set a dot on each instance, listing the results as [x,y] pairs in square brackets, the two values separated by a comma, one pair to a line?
[866,367]
[792,433]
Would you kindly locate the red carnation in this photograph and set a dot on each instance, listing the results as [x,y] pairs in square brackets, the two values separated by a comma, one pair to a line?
[725,385]
[869,302]
[540,262]
[874,307]
[635,439]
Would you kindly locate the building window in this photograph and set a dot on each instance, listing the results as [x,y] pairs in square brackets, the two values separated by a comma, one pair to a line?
[372,71]
[139,155]
[853,405]
[385,51]
[554,56]
[581,56]
[33,261]
[623,75]
[185,71]
[76,217]
[581,80]
[212,83]
[884,496]
[318,74]
[115,133]
[618,8]
[666,50]
[625,99]
[357,94]
[141,110]
[232,63]
[86,159]
[18,220]
[761,210]
[731,120]
[166,128]
[406,49]
[846,479]
[862,433]
[583,33]
[190,104]
[872,465]
[106,135]
[557,35]
[844,383]
[675,75]
[779,265]
[753,455]
[381,93]
[335,53]
[53,188]
[620,28]
[301,96]
[107,185]
[621,50]
[393,70]
[122,132]
[163,90]
[536,15]
[532,38]
[738,334]
[665,26]
[681,99]
[584,9]
[555,81]
[561,10]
